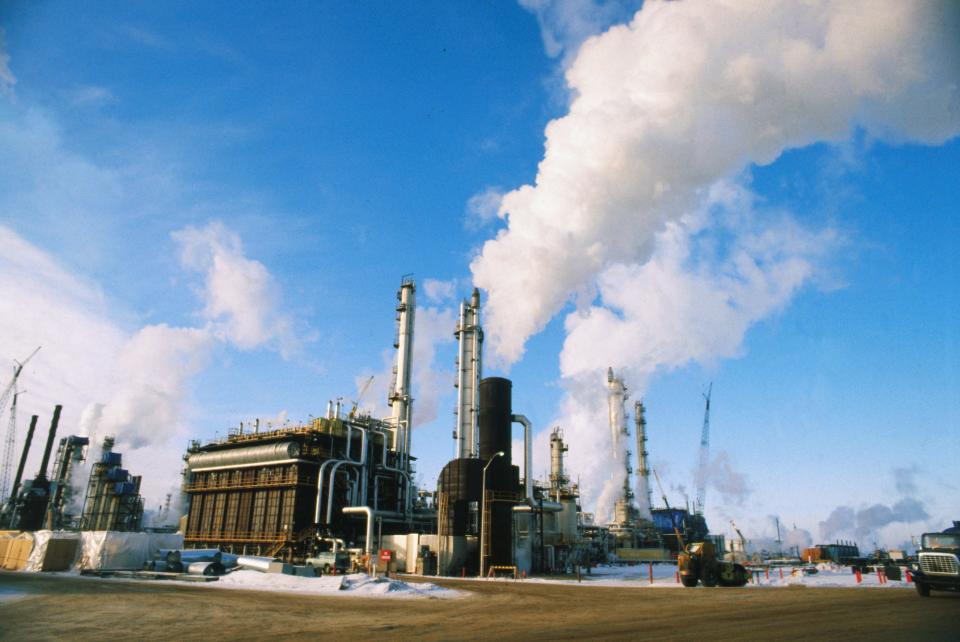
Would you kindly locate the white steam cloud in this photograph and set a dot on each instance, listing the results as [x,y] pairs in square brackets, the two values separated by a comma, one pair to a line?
[242,302]
[139,382]
[692,92]
[639,213]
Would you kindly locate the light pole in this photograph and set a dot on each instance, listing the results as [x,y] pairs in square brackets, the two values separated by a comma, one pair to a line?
[483,505]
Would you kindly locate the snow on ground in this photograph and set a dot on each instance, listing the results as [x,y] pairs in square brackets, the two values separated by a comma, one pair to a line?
[664,576]
[354,585]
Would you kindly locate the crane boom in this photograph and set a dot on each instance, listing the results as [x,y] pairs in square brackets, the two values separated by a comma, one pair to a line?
[704,455]
[9,440]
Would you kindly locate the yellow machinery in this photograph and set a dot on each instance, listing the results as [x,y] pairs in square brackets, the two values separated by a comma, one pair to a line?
[698,562]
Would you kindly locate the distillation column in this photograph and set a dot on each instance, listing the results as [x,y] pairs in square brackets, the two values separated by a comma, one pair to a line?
[619,434]
[469,336]
[644,497]
[400,401]
[558,479]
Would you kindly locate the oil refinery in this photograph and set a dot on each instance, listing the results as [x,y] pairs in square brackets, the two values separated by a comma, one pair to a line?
[344,484]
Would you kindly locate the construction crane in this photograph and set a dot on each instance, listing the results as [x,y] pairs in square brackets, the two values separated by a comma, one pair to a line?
[704,456]
[676,531]
[9,441]
[363,391]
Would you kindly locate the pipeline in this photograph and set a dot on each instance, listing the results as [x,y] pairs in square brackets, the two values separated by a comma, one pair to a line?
[370,514]
[336,462]
[531,503]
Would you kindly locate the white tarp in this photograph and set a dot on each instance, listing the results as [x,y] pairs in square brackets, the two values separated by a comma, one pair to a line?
[41,543]
[123,551]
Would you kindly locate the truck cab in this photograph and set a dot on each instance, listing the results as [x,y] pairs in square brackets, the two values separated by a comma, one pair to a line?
[938,562]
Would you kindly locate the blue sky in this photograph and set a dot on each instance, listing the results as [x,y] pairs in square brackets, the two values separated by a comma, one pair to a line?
[309,156]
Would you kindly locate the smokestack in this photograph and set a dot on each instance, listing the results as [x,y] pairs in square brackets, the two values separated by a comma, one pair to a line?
[23,457]
[50,437]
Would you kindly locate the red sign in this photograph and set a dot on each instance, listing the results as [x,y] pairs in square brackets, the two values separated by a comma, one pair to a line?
[386,556]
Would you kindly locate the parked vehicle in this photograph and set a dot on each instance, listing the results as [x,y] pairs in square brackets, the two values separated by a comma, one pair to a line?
[938,564]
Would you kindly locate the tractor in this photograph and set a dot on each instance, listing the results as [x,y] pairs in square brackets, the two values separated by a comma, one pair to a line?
[698,562]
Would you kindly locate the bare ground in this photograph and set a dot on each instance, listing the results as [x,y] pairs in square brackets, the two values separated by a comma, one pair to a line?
[64,608]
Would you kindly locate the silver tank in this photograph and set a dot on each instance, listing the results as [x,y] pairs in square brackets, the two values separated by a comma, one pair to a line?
[262,454]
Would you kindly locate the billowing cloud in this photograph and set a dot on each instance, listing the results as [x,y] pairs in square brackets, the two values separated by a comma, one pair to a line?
[483,206]
[241,299]
[695,299]
[867,521]
[689,93]
[565,24]
[111,382]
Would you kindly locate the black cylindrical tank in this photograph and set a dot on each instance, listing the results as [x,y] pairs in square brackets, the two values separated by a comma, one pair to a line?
[494,422]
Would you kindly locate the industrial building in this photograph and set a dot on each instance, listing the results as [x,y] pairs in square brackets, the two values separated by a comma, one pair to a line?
[291,491]
[346,481]
[112,501]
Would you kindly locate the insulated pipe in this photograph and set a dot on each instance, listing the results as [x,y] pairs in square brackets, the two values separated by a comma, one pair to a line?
[333,474]
[370,514]
[23,458]
[406,491]
[365,510]
[323,466]
[50,437]
[548,507]
[527,456]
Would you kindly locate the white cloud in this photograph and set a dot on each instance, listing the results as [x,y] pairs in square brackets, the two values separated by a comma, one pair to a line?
[689,93]
[89,95]
[241,299]
[438,291]
[7,79]
[565,24]
[483,207]
[689,304]
[134,387]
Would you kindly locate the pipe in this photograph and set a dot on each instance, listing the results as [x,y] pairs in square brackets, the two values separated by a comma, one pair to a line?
[548,507]
[365,510]
[23,458]
[50,437]
[323,466]
[527,456]
[370,514]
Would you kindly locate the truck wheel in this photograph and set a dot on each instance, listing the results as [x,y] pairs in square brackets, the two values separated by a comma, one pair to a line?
[922,589]
[689,580]
[709,577]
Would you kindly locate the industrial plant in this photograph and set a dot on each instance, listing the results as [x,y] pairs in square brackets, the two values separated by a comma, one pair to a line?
[338,493]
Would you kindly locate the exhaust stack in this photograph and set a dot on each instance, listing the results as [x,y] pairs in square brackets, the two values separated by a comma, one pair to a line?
[23,459]
[50,437]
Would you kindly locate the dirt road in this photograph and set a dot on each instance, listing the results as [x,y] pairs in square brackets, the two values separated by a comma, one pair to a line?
[59,608]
